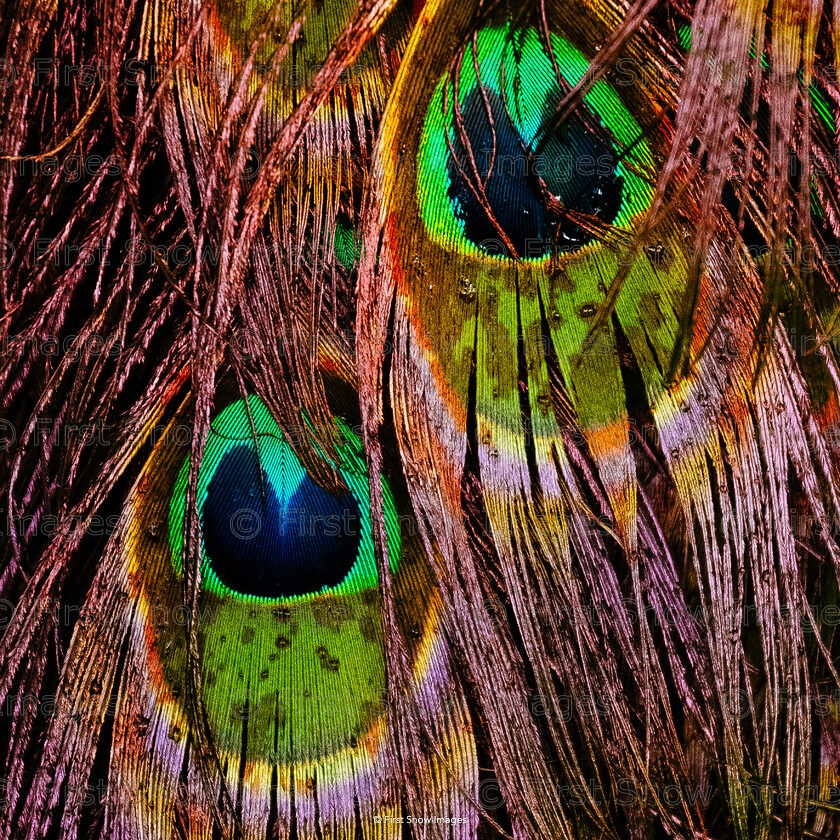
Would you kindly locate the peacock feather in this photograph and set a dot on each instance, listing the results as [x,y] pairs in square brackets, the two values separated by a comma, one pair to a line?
[419,419]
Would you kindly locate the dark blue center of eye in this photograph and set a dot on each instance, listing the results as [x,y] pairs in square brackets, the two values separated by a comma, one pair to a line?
[577,167]
[258,545]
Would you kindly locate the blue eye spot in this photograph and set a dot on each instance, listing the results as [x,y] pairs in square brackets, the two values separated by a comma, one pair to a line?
[269,546]
[268,531]
[576,170]
[496,173]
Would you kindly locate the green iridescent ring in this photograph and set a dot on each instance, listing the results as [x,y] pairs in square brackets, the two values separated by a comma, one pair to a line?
[256,487]
[502,59]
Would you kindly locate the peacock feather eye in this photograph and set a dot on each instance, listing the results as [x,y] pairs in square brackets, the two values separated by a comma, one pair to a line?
[508,232]
[479,153]
[268,530]
[288,620]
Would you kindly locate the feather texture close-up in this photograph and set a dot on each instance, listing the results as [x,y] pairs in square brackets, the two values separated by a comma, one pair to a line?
[419,419]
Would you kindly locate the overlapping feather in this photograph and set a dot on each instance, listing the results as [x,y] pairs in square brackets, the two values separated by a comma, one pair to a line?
[609,459]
